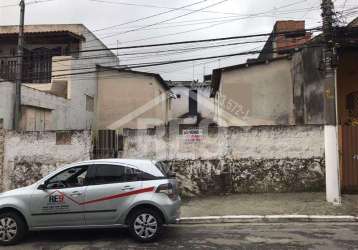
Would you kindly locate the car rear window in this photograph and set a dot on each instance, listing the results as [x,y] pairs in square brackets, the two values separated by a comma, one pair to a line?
[163,168]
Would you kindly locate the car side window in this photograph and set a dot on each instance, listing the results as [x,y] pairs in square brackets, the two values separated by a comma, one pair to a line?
[69,178]
[133,174]
[107,174]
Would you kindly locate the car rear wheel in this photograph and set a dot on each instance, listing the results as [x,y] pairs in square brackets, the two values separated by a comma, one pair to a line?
[145,225]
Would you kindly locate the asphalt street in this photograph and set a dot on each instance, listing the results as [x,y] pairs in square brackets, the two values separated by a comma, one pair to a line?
[222,236]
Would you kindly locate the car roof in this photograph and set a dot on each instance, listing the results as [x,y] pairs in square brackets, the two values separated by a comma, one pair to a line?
[142,165]
[122,161]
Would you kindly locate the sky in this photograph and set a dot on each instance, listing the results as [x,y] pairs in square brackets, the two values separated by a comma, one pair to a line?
[199,20]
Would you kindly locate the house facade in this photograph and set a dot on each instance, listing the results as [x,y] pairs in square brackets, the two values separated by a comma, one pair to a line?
[56,96]
[130,99]
[254,94]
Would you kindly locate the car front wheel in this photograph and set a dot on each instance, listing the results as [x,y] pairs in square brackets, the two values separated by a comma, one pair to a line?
[145,225]
[12,228]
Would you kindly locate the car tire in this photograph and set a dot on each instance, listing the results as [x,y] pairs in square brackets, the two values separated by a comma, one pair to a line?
[145,225]
[13,228]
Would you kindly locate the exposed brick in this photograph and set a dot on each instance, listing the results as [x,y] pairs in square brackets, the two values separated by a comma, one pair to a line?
[283,42]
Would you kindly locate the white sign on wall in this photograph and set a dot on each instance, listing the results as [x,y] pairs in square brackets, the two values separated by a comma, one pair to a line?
[193,135]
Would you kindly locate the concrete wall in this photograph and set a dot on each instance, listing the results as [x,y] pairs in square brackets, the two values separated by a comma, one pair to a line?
[124,98]
[59,107]
[7,96]
[262,92]
[31,155]
[239,159]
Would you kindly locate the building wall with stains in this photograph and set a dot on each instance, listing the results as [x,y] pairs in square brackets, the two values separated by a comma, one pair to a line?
[29,156]
[308,86]
[238,159]
[263,91]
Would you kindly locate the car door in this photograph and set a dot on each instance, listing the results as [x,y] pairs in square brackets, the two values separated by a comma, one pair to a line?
[110,195]
[60,203]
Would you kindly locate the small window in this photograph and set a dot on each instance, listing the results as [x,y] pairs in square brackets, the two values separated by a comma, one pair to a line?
[63,138]
[107,174]
[72,177]
[178,96]
[89,103]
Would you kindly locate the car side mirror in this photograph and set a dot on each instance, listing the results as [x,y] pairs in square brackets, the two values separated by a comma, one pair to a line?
[43,186]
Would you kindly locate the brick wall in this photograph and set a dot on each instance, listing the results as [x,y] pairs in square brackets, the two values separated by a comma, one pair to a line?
[284,42]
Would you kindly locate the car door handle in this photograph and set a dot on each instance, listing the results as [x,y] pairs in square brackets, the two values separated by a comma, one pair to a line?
[127,188]
[76,193]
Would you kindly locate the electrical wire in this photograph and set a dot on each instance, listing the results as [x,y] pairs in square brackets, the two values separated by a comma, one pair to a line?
[28,3]
[180,8]
[159,63]
[181,42]
[166,20]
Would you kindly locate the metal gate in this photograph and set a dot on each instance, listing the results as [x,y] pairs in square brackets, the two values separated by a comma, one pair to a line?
[350,159]
[107,144]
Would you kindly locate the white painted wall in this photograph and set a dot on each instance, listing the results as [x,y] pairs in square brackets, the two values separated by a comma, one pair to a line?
[267,142]
[31,155]
[7,94]
[32,97]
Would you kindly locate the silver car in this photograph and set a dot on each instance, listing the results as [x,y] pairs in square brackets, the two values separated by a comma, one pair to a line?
[139,194]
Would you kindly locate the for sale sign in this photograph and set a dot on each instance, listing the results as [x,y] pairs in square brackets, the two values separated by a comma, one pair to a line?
[192,135]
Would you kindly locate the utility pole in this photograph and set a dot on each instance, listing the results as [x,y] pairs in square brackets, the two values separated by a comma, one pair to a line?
[333,193]
[19,67]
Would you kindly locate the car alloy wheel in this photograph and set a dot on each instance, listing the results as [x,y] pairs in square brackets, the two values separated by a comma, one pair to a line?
[8,229]
[145,226]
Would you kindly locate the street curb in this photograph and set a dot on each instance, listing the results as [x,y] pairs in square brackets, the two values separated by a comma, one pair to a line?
[266,218]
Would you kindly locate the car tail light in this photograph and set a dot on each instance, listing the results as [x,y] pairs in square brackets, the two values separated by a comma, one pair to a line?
[167,189]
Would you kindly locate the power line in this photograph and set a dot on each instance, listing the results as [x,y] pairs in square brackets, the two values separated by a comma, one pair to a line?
[156,52]
[151,16]
[184,42]
[178,33]
[172,10]
[164,21]
[161,7]
[176,52]
[160,63]
[255,14]
[28,3]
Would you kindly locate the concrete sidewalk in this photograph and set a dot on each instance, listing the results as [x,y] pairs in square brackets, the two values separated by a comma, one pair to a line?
[284,207]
